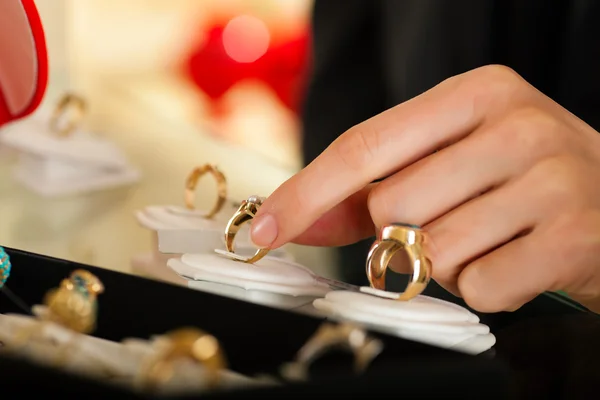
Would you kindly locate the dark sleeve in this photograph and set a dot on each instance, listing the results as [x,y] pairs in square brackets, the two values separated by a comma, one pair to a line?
[579,72]
[346,75]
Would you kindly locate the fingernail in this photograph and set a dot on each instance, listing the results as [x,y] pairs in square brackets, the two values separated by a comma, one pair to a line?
[263,231]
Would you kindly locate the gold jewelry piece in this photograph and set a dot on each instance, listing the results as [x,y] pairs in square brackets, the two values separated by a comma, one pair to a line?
[68,103]
[73,305]
[328,337]
[192,182]
[391,239]
[5,266]
[190,343]
[244,213]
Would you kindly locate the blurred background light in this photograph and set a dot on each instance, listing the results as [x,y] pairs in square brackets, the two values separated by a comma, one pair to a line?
[173,83]
[192,61]
[246,38]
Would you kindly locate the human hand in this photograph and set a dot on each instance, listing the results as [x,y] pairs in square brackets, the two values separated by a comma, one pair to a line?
[505,182]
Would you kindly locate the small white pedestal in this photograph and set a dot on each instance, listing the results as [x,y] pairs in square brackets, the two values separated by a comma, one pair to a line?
[54,166]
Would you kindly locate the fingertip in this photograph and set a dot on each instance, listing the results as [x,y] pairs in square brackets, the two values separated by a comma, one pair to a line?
[264,231]
[474,292]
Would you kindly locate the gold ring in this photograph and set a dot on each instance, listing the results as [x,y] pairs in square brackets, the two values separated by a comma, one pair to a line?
[192,182]
[244,213]
[328,337]
[66,103]
[190,343]
[391,239]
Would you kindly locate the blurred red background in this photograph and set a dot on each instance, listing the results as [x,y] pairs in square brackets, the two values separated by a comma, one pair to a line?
[243,47]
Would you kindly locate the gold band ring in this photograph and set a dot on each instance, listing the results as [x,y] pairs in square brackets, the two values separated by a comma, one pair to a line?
[391,239]
[188,343]
[244,213]
[329,337]
[69,102]
[192,182]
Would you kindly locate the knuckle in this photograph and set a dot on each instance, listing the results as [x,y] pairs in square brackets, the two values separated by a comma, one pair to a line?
[497,81]
[558,183]
[358,147]
[498,73]
[378,203]
[533,133]
[441,242]
[490,86]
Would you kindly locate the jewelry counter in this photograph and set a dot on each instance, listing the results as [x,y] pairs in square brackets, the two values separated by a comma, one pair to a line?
[160,332]
[264,348]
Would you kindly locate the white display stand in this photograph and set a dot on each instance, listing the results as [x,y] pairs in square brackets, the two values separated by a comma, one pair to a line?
[54,166]
[177,230]
[204,233]
[286,285]
[159,217]
[270,281]
[422,319]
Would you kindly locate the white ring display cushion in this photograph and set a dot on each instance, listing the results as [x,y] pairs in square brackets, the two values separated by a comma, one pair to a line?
[33,136]
[284,284]
[422,319]
[175,217]
[270,281]
[185,231]
[53,166]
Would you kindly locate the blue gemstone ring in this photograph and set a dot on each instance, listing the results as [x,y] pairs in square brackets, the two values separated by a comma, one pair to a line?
[4,266]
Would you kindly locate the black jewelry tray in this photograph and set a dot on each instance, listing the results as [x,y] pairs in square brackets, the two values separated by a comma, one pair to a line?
[549,347]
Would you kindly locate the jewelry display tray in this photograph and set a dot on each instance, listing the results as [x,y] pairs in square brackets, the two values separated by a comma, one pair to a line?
[548,348]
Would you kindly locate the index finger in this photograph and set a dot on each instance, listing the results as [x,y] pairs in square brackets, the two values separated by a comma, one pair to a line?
[373,149]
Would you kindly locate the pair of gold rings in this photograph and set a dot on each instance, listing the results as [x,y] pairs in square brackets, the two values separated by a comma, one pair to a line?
[71,107]
[246,211]
[392,239]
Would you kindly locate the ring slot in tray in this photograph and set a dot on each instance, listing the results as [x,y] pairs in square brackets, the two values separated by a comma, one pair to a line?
[257,340]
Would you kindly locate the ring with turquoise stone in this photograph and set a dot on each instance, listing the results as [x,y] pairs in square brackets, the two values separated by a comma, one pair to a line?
[4,266]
